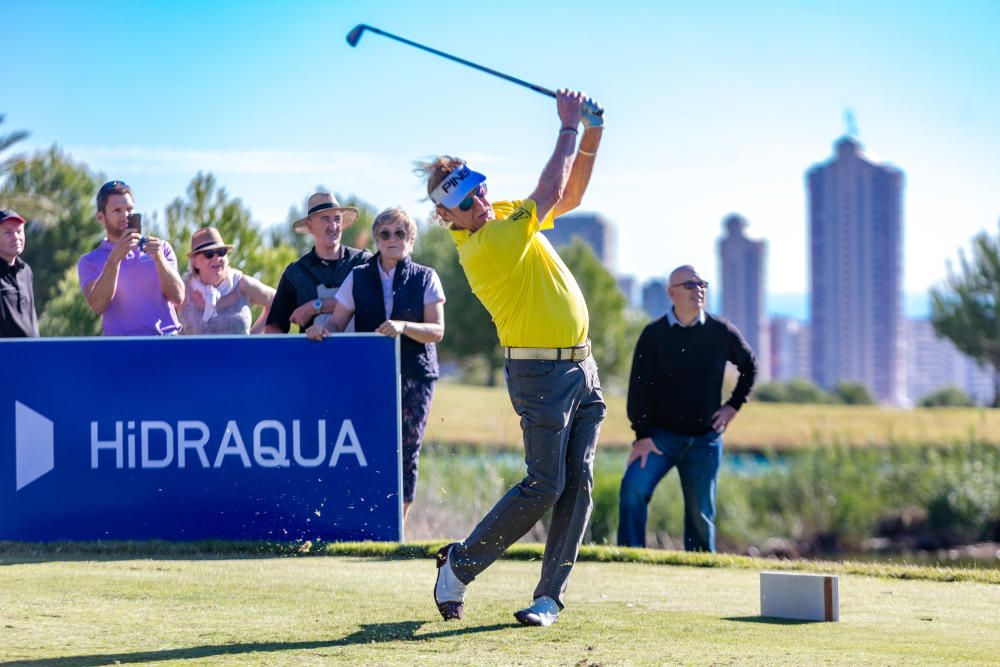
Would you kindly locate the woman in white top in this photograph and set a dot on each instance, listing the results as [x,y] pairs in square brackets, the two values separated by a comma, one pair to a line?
[394,296]
[218,297]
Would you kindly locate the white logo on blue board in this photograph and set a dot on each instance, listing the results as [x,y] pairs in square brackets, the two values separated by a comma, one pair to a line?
[191,443]
[34,444]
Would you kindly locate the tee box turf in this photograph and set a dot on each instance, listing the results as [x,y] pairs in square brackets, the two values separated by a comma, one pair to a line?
[806,597]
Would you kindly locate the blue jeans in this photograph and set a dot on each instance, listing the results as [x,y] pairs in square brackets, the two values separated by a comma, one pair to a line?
[697,459]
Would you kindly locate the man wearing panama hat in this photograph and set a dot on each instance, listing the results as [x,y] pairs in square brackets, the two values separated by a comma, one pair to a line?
[307,287]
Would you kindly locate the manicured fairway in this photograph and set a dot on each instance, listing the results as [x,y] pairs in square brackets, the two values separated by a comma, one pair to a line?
[340,610]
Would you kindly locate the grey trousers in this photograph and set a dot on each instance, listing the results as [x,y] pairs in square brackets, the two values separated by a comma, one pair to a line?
[561,409]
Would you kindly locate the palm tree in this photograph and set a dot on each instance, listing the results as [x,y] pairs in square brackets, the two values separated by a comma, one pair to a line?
[34,206]
[6,141]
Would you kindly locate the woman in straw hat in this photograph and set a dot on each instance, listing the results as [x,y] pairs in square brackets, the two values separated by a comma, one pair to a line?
[218,296]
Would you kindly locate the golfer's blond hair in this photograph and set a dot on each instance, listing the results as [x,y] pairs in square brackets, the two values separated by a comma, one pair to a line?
[434,171]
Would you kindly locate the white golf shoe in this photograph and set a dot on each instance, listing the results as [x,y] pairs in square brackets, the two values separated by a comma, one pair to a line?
[544,611]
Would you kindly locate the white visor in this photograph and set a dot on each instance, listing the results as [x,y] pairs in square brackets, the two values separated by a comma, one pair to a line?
[456,186]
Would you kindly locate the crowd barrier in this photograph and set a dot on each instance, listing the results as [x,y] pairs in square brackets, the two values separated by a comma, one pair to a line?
[187,438]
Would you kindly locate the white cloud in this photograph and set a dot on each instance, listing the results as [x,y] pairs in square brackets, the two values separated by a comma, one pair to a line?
[144,159]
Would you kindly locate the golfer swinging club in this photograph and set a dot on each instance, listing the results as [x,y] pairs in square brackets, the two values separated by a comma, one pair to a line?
[542,322]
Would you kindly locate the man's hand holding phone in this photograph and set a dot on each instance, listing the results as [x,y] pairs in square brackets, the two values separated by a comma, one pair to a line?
[134,224]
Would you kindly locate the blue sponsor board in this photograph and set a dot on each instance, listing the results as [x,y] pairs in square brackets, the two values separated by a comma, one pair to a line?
[184,438]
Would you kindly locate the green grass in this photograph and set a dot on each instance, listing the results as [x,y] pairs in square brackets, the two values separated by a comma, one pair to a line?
[482,416]
[13,553]
[65,608]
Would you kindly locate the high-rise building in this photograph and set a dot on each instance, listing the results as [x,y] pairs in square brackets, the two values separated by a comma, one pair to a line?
[629,286]
[790,349]
[743,273]
[855,244]
[655,300]
[592,228]
[934,363]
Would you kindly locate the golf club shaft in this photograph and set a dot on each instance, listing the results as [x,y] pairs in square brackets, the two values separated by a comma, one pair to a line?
[356,34]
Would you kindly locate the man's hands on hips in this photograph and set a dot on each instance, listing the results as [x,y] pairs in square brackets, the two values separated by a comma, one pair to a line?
[722,417]
[641,449]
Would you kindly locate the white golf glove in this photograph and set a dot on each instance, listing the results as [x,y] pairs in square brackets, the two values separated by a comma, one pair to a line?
[592,114]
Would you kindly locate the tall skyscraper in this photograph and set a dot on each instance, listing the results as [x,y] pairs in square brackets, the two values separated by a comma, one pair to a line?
[629,286]
[743,273]
[789,349]
[654,298]
[855,244]
[592,228]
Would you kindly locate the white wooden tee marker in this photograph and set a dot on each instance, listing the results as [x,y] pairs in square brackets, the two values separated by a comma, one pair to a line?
[807,597]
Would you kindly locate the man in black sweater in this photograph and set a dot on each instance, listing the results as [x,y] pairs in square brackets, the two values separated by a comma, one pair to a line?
[673,404]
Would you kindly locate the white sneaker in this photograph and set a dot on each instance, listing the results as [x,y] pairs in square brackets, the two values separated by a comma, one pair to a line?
[544,611]
[449,591]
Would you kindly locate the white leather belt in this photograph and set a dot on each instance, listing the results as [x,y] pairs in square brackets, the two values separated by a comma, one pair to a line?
[578,353]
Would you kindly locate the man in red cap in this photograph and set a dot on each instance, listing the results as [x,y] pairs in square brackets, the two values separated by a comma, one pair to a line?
[17,294]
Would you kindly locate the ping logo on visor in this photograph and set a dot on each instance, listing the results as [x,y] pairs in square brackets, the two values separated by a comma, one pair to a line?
[456,186]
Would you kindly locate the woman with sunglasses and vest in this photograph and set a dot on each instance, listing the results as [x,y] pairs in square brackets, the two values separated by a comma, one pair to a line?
[394,296]
[219,297]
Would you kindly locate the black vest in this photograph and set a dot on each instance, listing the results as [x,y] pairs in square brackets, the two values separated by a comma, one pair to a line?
[417,360]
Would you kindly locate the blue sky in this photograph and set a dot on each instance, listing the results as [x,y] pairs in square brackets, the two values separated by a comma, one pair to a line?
[711,109]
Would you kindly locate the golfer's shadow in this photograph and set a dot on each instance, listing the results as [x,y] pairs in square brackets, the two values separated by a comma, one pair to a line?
[374,633]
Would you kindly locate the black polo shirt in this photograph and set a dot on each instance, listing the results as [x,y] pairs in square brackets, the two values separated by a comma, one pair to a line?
[17,301]
[301,278]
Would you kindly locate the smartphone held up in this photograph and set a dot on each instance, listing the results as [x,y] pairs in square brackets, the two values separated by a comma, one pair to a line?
[134,224]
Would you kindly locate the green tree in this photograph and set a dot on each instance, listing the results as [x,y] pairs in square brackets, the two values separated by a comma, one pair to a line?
[6,141]
[771,392]
[68,313]
[614,329]
[852,393]
[793,391]
[965,308]
[208,205]
[947,397]
[56,195]
[470,337]
[33,205]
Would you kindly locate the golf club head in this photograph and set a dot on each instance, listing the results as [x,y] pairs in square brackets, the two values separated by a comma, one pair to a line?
[355,34]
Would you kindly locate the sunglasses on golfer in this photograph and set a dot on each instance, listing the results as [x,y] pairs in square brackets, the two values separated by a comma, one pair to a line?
[214,252]
[467,203]
[692,284]
[385,234]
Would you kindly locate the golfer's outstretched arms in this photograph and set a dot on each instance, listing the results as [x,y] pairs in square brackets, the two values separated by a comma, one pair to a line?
[555,175]
[583,164]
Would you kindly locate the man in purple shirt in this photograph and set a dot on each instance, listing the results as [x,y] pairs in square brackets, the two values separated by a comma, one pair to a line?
[134,286]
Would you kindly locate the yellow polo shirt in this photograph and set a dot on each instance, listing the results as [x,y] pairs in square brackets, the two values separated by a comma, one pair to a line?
[518,276]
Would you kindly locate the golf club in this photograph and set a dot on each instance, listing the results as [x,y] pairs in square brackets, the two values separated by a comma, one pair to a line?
[355,35]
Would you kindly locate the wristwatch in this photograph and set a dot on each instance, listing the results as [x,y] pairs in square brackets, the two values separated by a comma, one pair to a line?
[318,305]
